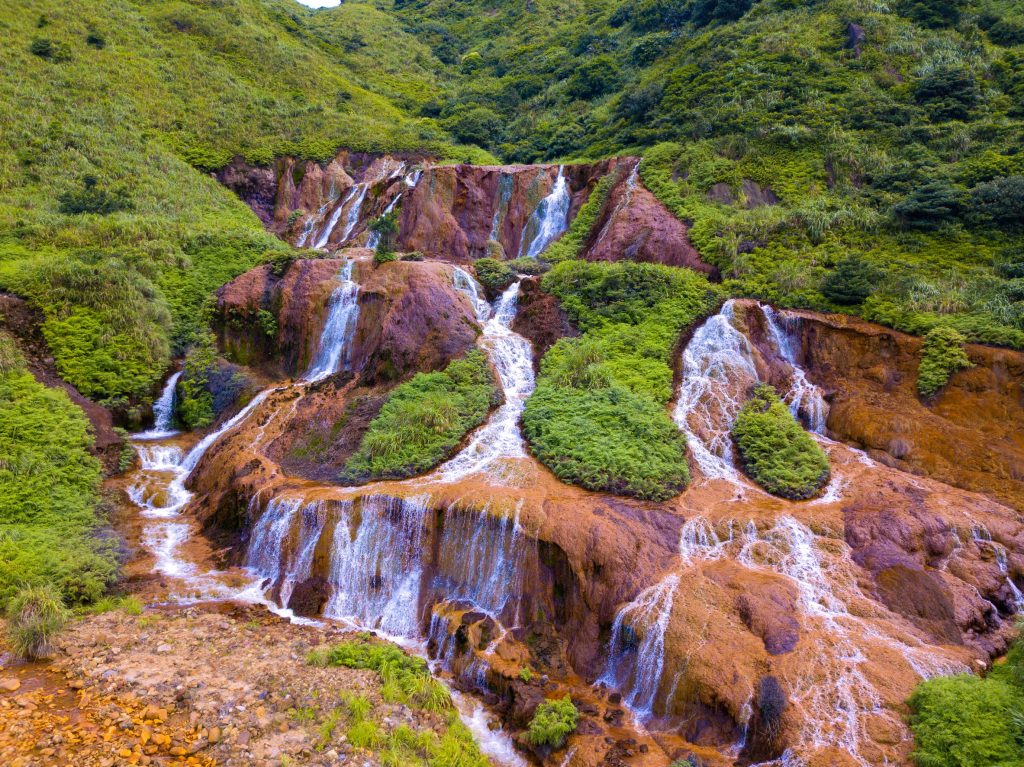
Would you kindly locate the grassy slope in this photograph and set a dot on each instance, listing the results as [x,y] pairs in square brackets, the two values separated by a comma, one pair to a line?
[48,490]
[176,87]
[776,97]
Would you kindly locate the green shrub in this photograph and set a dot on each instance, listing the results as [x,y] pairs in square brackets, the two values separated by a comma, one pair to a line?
[386,228]
[527,265]
[553,722]
[949,93]
[34,616]
[607,439]
[384,257]
[493,274]
[942,355]
[929,206]
[365,734]
[852,281]
[94,199]
[51,530]
[598,417]
[775,450]
[965,721]
[1000,202]
[424,420]
[406,678]
[194,402]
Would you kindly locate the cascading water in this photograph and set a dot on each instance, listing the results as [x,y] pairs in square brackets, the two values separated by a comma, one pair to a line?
[549,220]
[804,398]
[501,206]
[335,346]
[718,370]
[836,694]
[325,233]
[631,183]
[635,664]
[480,562]
[376,570]
[511,354]
[163,412]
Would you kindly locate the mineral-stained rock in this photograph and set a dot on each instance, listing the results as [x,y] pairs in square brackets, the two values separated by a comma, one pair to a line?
[309,596]
[541,319]
[634,225]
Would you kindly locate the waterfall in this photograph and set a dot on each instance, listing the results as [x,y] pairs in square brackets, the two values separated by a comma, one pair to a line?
[718,370]
[163,412]
[635,663]
[282,550]
[196,453]
[355,196]
[804,398]
[480,561]
[512,356]
[374,240]
[335,347]
[376,569]
[549,220]
[631,182]
[465,284]
[501,206]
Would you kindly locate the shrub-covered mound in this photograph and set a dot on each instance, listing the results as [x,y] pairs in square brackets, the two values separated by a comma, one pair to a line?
[943,354]
[49,482]
[424,420]
[553,722]
[775,450]
[967,721]
[598,417]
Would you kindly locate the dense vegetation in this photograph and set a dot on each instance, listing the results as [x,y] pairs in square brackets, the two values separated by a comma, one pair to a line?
[967,721]
[108,222]
[598,417]
[407,680]
[774,449]
[424,420]
[942,355]
[793,134]
[553,722]
[51,532]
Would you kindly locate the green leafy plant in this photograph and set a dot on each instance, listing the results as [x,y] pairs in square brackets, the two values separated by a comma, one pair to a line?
[34,616]
[942,355]
[598,417]
[494,275]
[424,419]
[775,450]
[553,722]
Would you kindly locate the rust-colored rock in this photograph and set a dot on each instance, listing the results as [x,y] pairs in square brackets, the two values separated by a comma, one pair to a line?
[411,319]
[541,319]
[970,436]
[634,225]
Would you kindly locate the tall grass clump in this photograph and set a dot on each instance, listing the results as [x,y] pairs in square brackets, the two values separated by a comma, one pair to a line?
[34,617]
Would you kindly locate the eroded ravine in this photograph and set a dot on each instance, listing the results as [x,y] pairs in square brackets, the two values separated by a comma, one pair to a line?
[695,610]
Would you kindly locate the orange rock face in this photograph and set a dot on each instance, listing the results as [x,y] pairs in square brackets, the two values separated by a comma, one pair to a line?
[457,213]
[635,226]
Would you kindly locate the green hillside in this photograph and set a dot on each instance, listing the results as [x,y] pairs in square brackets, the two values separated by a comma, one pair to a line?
[889,134]
[111,116]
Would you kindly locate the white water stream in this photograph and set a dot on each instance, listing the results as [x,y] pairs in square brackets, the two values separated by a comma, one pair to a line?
[512,356]
[549,220]
[163,412]
[335,346]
